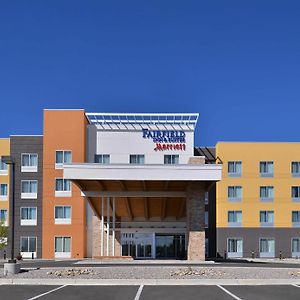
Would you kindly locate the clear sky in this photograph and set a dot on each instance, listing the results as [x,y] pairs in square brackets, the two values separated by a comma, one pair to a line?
[237,63]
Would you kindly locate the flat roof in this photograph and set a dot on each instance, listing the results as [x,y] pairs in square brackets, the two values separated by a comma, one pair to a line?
[143,118]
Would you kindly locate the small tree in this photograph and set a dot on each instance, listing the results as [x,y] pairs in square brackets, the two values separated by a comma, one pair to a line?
[3,235]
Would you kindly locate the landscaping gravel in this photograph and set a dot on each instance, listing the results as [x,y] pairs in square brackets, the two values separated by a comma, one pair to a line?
[162,272]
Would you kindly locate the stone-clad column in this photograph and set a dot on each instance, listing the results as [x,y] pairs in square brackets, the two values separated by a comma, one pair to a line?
[195,223]
[96,236]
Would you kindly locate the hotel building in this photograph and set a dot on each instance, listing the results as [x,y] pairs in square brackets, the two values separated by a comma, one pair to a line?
[134,185]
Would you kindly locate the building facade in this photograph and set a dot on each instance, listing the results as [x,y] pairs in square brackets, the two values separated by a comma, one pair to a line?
[258,200]
[134,185]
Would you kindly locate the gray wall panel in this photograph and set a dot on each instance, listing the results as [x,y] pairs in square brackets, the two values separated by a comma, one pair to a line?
[251,238]
[19,145]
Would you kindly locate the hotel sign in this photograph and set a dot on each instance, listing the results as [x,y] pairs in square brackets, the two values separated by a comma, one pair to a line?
[166,139]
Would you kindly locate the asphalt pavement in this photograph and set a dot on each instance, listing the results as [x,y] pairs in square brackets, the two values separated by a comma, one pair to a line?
[215,292]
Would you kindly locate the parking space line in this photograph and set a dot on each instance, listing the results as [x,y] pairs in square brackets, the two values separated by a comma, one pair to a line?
[49,292]
[229,293]
[296,285]
[139,292]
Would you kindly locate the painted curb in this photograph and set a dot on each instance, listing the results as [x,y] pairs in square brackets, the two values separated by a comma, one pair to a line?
[152,282]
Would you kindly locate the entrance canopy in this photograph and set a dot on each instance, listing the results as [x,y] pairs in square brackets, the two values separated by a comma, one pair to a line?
[140,191]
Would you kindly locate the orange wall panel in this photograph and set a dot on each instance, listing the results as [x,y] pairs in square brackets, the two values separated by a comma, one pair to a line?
[63,130]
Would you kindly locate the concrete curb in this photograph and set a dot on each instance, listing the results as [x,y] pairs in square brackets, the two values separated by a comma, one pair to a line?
[152,282]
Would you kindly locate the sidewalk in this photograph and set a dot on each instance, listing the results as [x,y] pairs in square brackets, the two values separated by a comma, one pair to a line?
[153,282]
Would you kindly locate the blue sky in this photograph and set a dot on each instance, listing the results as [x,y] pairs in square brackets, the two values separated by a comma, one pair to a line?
[237,63]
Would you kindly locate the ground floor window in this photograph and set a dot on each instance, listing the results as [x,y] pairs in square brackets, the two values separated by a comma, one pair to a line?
[235,247]
[28,246]
[170,245]
[295,247]
[62,247]
[151,245]
[267,247]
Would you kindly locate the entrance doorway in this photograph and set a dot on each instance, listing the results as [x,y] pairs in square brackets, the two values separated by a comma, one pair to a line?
[154,245]
[170,246]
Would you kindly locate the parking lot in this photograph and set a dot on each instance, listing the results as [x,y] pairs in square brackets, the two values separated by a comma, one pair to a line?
[214,292]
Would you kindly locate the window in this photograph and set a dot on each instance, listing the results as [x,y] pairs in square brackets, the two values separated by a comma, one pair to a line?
[28,216]
[296,218]
[28,246]
[3,217]
[3,191]
[266,168]
[62,187]
[266,193]
[102,159]
[234,218]
[235,247]
[62,247]
[171,159]
[295,247]
[296,193]
[234,168]
[29,189]
[62,214]
[235,193]
[266,218]
[295,168]
[206,219]
[267,247]
[29,162]
[138,159]
[206,197]
[3,168]
[62,157]
[206,247]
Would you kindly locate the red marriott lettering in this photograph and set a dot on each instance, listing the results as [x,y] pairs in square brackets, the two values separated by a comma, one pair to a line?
[163,147]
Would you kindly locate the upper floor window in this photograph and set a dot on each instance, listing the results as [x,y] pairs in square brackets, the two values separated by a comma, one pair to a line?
[29,189]
[296,217]
[296,193]
[234,218]
[28,216]
[3,191]
[235,193]
[295,168]
[29,162]
[3,217]
[62,157]
[102,158]
[266,217]
[266,168]
[138,159]
[3,168]
[266,193]
[234,168]
[171,159]
[62,187]
[62,214]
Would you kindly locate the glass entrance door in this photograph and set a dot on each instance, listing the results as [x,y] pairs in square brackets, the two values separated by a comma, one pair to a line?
[144,244]
[170,246]
[144,250]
